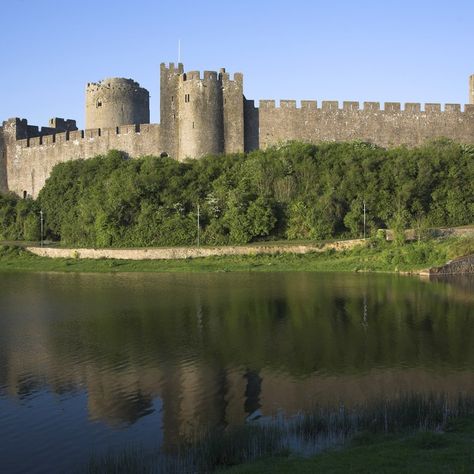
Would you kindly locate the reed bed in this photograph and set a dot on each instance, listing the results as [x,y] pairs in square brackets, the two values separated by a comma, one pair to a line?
[305,434]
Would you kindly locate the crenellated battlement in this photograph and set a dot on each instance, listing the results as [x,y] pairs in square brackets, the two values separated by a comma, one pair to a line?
[288,104]
[172,68]
[210,76]
[19,128]
[197,76]
[213,76]
[119,83]
[225,77]
[330,105]
[88,134]
[191,76]
[353,106]
[350,106]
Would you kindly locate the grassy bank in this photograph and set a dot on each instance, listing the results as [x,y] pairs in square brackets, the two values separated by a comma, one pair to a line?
[407,434]
[421,452]
[375,256]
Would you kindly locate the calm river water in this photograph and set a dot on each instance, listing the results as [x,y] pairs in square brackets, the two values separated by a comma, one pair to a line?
[91,363]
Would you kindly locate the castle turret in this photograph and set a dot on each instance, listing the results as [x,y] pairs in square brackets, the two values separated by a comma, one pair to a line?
[233,103]
[169,92]
[201,130]
[471,89]
[201,114]
[116,101]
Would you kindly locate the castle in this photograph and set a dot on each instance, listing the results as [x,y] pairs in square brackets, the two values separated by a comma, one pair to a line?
[209,114]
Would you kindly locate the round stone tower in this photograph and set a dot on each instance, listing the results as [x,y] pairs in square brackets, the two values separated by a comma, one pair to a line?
[201,130]
[116,101]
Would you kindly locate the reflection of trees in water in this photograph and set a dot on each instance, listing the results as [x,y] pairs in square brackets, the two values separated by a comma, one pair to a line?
[179,338]
[264,323]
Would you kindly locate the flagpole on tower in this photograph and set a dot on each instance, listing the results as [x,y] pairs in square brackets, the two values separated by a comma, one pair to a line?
[179,51]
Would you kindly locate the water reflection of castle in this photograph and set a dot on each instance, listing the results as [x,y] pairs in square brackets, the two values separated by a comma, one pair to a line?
[196,396]
[196,385]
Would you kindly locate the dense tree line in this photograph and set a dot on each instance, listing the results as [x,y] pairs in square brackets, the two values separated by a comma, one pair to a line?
[295,191]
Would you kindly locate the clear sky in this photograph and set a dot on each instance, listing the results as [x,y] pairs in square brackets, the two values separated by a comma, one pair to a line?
[376,50]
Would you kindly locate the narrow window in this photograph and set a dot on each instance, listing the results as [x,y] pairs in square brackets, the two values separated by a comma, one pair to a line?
[193,124]
[172,98]
[25,194]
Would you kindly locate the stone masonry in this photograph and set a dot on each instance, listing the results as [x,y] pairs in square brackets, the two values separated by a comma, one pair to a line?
[208,113]
[471,89]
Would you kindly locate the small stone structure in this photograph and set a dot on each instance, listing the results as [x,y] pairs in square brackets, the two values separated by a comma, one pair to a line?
[208,113]
[457,266]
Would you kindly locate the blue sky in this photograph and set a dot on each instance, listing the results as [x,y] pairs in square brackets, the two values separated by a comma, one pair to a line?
[406,51]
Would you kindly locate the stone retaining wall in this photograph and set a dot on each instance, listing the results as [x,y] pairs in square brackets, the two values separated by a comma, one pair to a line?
[173,253]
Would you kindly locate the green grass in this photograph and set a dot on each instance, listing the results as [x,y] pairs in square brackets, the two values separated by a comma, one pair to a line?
[379,256]
[451,451]
[408,434]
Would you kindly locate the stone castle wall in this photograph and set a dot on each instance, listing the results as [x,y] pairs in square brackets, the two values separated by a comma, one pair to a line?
[3,163]
[209,114]
[389,127]
[31,160]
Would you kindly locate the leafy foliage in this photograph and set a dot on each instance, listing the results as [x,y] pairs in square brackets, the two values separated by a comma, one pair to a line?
[295,191]
[19,218]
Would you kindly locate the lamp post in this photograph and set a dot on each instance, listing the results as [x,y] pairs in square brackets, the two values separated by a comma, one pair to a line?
[198,227]
[364,218]
[41,227]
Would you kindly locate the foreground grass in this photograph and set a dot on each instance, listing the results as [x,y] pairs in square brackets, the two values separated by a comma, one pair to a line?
[407,434]
[375,256]
[423,452]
